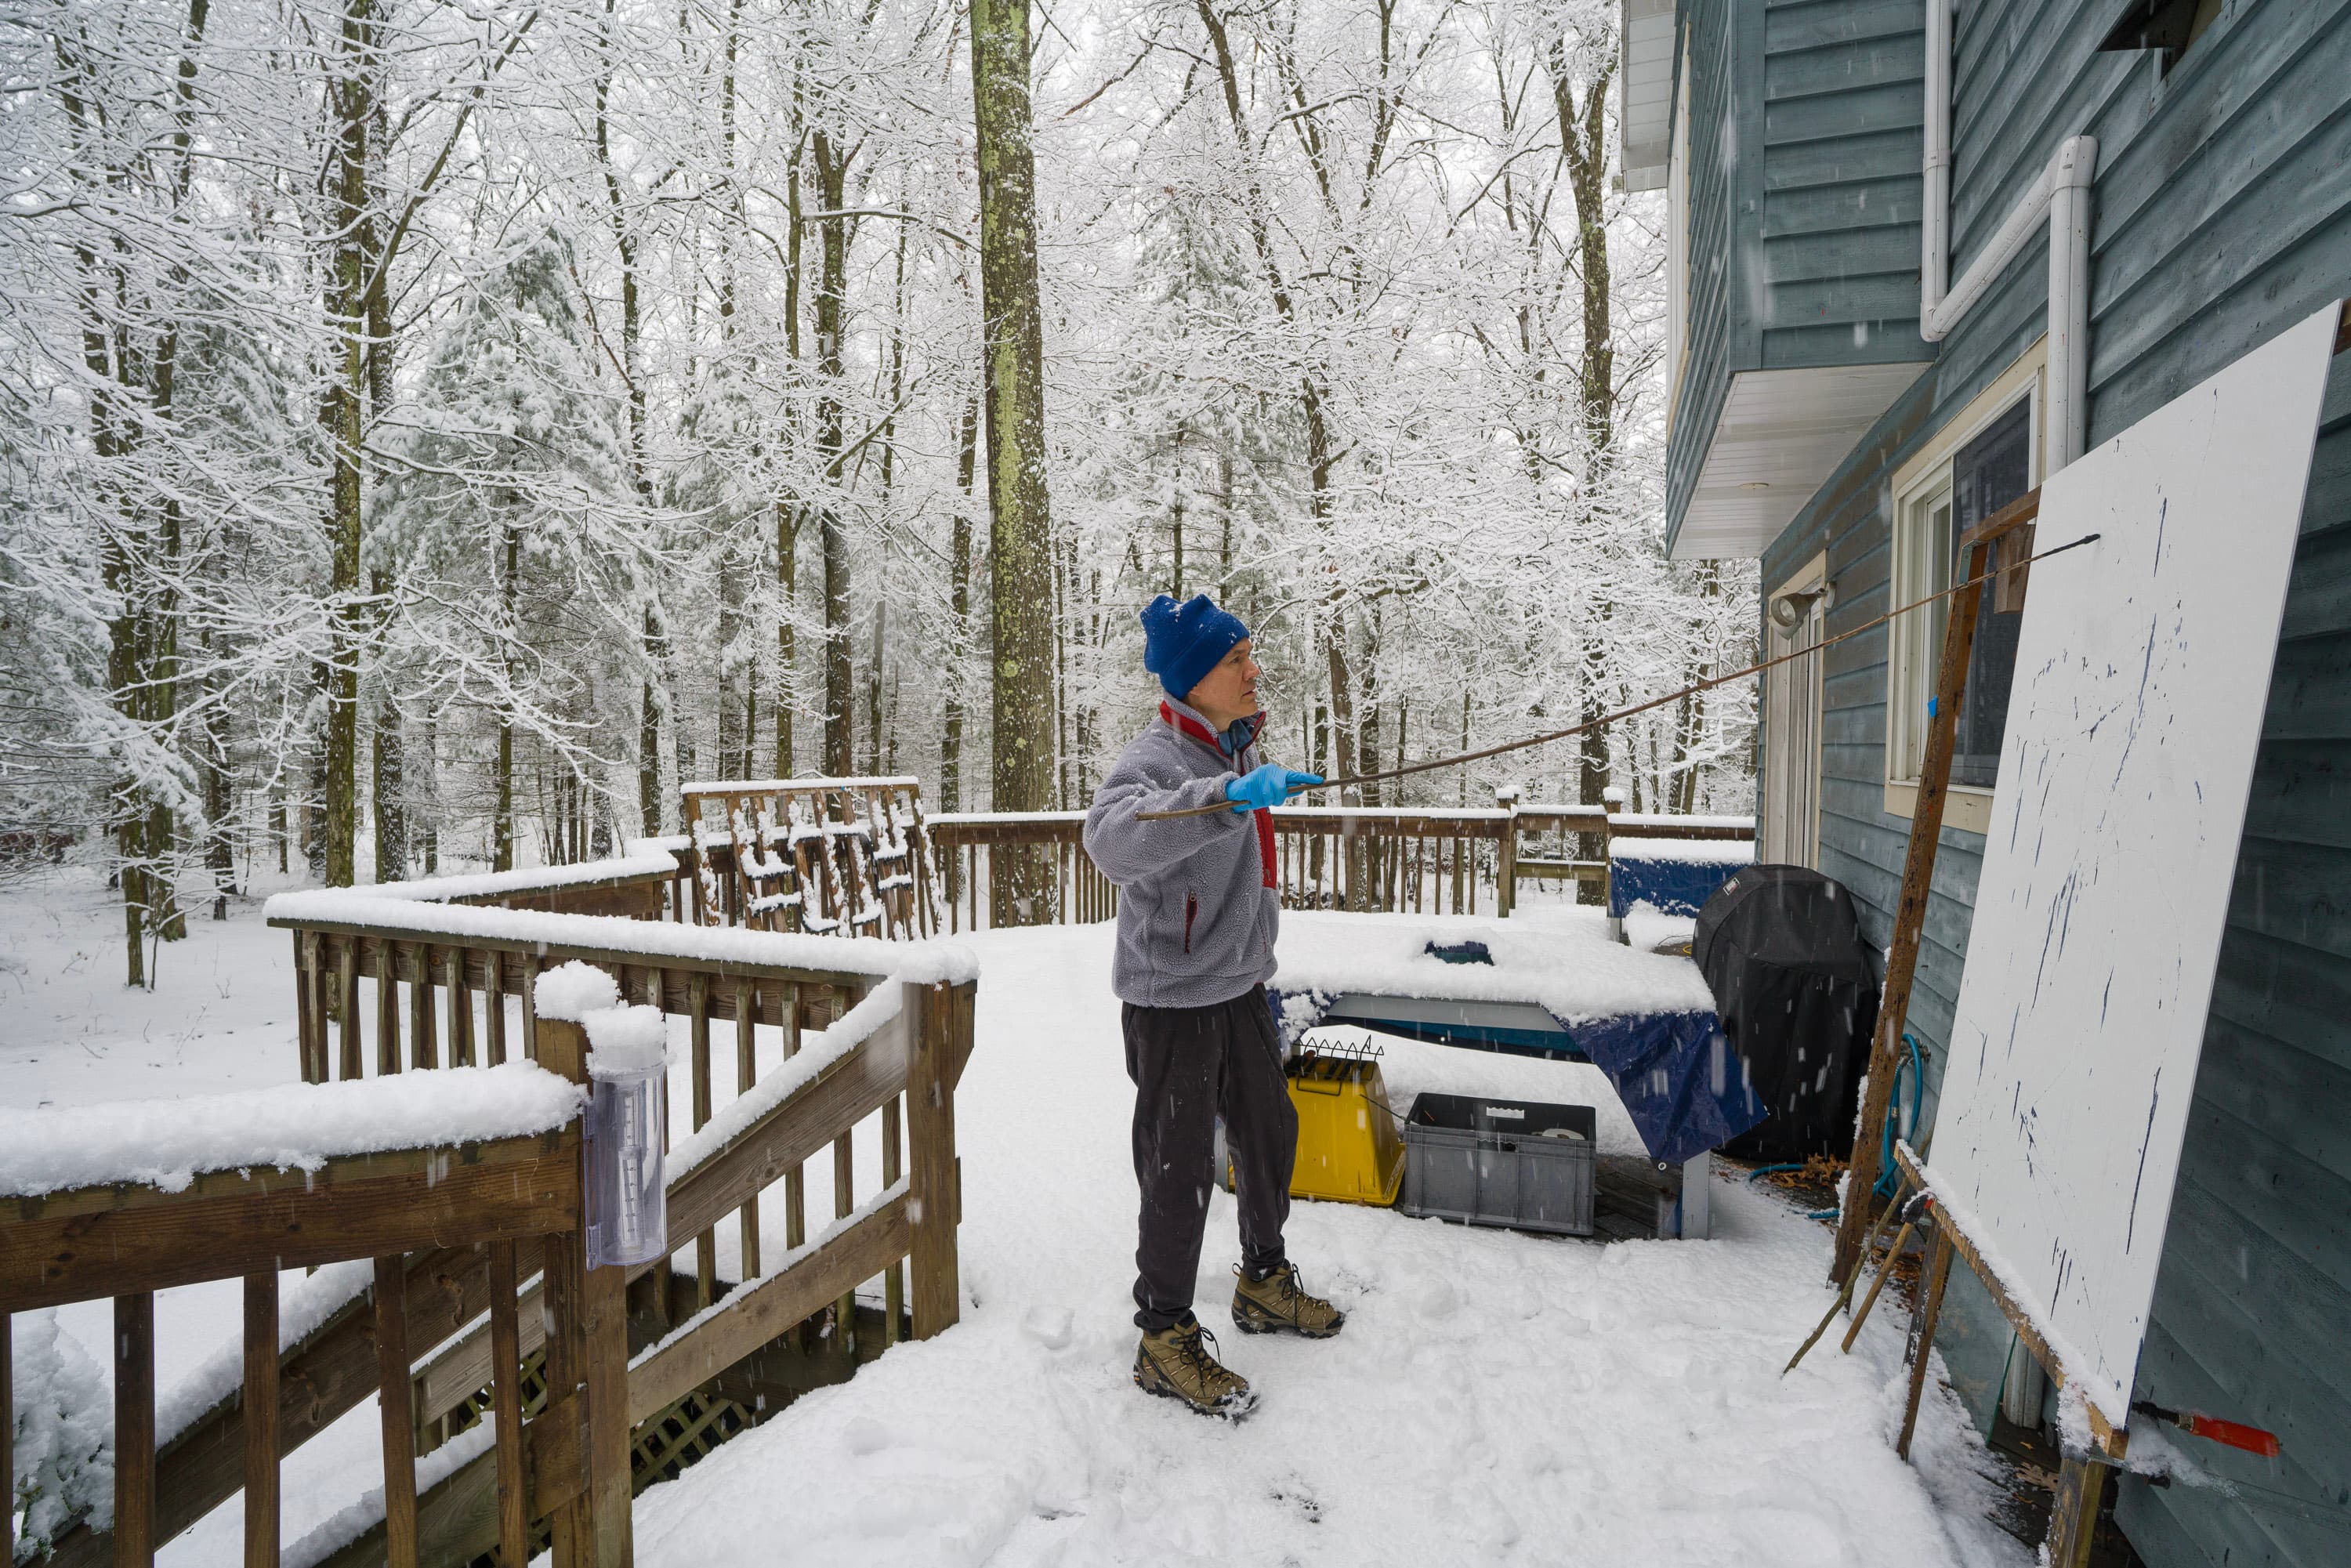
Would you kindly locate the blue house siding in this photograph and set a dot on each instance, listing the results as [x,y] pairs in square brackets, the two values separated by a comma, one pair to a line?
[1711,331]
[1804,144]
[1843,93]
[2252,1307]
[2222,214]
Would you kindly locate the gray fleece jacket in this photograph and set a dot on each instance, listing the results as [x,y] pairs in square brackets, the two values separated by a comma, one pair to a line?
[1197,908]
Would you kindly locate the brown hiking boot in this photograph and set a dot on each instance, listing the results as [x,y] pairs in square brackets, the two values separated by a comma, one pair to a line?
[1174,1362]
[1275,1304]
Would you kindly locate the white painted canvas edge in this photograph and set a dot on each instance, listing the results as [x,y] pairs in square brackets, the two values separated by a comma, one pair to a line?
[2142,671]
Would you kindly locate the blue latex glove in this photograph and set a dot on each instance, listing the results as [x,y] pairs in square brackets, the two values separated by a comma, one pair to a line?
[1267,786]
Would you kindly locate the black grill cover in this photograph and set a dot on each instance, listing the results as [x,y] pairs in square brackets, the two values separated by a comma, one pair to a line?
[1793,987]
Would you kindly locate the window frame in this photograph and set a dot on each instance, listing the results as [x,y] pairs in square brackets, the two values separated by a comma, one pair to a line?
[1786,686]
[1912,651]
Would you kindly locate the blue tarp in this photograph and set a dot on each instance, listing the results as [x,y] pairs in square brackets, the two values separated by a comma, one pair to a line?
[1668,886]
[1675,1072]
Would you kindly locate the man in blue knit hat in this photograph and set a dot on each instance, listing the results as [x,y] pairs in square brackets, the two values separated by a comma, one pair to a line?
[1198,913]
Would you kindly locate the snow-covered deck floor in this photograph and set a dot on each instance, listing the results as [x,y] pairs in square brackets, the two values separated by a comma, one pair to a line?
[1495,1398]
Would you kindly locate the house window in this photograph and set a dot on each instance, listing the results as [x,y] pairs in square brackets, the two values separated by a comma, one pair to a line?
[1992,467]
[1989,473]
[1791,815]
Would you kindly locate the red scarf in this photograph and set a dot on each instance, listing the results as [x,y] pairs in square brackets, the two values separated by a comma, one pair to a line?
[1185,724]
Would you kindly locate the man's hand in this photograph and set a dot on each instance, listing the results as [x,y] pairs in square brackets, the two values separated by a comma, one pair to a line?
[1268,786]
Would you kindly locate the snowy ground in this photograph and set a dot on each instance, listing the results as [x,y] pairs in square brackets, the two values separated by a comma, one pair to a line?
[1496,1398]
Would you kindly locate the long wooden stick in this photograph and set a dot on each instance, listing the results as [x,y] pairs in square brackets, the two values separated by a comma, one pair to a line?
[1974,584]
[1901,1239]
[1919,869]
[1844,1294]
[1936,1277]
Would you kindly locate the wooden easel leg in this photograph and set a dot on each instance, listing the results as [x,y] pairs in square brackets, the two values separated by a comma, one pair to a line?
[1936,1277]
[1893,1253]
[2081,1492]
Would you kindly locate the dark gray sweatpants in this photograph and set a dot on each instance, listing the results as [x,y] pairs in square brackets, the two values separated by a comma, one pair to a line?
[1191,1065]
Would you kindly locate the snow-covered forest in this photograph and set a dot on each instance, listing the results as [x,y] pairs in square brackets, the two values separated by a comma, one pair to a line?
[431,431]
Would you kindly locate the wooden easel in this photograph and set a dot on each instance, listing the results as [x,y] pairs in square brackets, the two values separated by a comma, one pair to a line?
[1975,552]
[2081,1479]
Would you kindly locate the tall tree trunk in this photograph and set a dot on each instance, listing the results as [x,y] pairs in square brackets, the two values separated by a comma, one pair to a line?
[786,507]
[787,586]
[654,709]
[391,809]
[1584,150]
[832,293]
[873,688]
[1020,515]
[959,608]
[351,94]
[509,594]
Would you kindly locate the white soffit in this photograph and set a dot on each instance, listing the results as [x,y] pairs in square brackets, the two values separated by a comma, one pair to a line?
[1781,435]
[1645,67]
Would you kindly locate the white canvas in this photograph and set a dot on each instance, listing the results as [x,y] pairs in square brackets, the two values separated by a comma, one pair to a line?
[2141,673]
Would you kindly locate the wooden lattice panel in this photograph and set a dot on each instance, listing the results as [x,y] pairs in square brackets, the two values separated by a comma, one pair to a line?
[836,857]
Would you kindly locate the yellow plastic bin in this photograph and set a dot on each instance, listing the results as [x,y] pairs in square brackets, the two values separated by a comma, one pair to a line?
[1349,1150]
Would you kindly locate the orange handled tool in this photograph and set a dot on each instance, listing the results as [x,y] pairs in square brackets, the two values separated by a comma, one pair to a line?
[2231,1434]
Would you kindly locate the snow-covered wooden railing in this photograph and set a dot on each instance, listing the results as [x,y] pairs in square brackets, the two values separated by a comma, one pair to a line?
[893,1015]
[1394,859]
[966,844]
[123,1200]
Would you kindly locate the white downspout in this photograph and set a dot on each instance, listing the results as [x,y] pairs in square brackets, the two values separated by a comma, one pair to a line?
[2062,191]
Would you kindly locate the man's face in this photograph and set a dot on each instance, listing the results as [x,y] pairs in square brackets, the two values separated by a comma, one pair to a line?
[1229,691]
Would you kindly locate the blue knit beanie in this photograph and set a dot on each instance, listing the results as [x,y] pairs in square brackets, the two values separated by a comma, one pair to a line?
[1182,643]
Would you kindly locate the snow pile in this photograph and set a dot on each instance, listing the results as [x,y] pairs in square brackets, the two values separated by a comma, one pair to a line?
[569,992]
[1670,820]
[1564,962]
[63,1470]
[623,1041]
[165,1143]
[1648,929]
[1684,851]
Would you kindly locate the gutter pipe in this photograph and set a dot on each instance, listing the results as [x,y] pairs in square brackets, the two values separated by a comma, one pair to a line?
[2060,191]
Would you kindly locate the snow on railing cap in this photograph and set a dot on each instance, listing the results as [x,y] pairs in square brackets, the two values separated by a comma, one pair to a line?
[625,1040]
[778,786]
[569,992]
[166,1144]
[926,961]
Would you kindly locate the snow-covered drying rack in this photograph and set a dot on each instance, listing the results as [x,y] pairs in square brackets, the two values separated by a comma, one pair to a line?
[827,856]
[477,1245]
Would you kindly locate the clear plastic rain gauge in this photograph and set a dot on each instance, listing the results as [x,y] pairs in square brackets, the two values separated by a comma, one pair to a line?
[627,1219]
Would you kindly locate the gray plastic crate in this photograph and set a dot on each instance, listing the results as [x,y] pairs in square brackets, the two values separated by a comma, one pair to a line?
[1515,1163]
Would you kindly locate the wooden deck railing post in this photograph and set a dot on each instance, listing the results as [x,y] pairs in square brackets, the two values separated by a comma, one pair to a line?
[931,1021]
[506,1406]
[261,1419]
[8,1440]
[134,1429]
[394,1402]
[587,1357]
